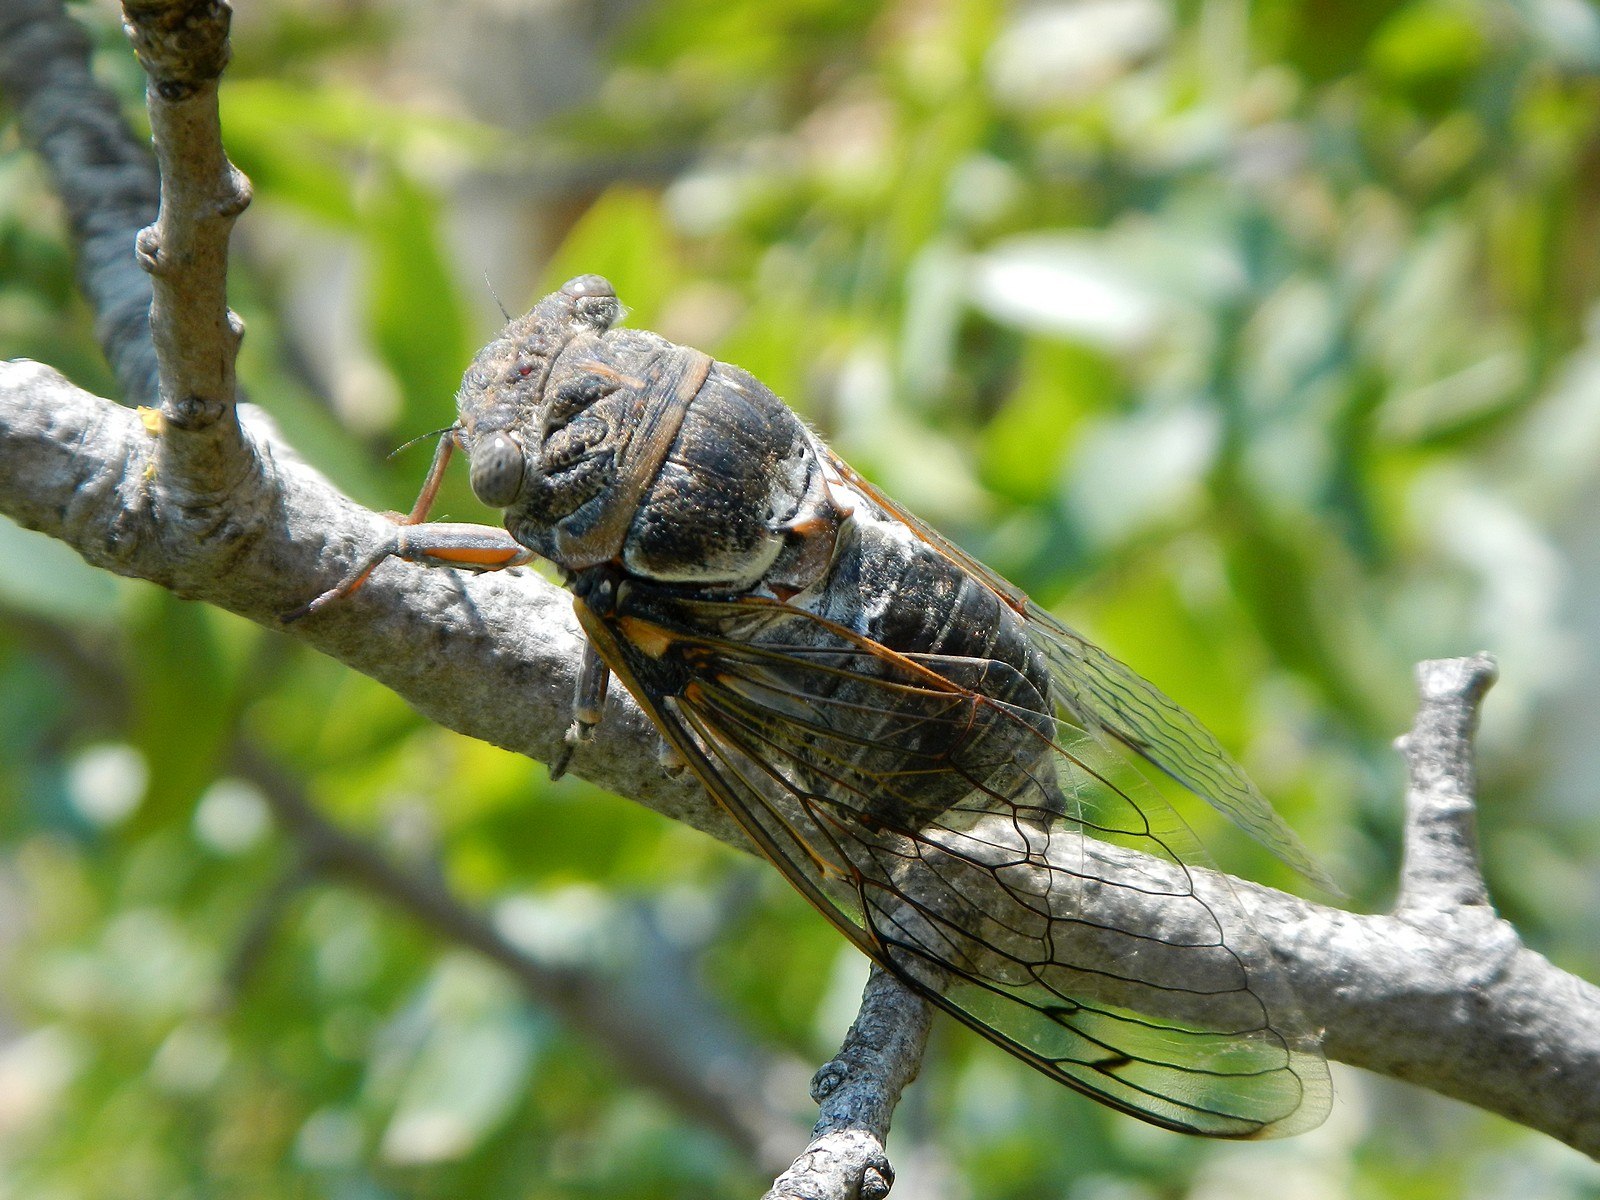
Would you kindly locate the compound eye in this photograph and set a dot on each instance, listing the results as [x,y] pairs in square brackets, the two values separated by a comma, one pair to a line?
[594,301]
[589,285]
[497,470]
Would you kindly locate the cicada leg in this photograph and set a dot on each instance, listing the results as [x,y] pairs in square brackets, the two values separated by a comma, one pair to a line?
[587,703]
[439,543]
[448,442]
[667,757]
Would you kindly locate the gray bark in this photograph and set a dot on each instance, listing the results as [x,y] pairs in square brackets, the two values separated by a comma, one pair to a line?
[1441,992]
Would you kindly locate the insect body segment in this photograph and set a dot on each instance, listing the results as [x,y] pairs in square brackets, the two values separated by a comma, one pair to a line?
[940,768]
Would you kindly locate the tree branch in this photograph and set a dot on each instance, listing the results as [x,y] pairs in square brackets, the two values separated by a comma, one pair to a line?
[106,179]
[857,1092]
[1477,1014]
[1441,871]
[1441,992]
[1452,1001]
[183,47]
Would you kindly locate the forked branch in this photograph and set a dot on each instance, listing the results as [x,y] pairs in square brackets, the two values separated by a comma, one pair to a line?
[1441,992]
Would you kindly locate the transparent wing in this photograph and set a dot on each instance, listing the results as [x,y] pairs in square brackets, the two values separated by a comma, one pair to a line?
[1112,701]
[1109,698]
[994,858]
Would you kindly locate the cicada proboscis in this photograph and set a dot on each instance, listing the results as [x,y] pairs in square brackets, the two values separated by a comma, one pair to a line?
[939,766]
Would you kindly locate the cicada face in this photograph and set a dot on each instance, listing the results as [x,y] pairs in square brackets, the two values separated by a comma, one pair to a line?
[537,450]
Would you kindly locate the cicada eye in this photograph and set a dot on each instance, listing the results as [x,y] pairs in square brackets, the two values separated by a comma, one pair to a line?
[594,301]
[589,285]
[497,470]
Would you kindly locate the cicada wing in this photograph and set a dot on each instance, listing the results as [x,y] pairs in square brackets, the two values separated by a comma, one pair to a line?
[1112,701]
[1109,698]
[998,861]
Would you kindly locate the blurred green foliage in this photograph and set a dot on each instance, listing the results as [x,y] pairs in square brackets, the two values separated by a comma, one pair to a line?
[1258,340]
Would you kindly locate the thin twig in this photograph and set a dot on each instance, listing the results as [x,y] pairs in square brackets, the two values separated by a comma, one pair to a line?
[857,1092]
[1441,868]
[183,47]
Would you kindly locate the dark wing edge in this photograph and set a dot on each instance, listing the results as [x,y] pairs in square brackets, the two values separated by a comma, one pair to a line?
[1111,700]
[1237,1064]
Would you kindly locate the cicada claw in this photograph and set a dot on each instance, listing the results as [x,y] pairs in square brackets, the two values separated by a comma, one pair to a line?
[667,757]
[562,759]
[588,700]
[345,587]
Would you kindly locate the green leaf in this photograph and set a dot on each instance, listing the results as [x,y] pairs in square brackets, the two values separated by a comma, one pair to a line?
[624,237]
[414,311]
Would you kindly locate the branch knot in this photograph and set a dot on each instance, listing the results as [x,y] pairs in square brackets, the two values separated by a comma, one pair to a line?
[830,1077]
[193,412]
[181,44]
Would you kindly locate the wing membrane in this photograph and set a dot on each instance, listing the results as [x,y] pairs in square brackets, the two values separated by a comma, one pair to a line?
[995,858]
[1111,700]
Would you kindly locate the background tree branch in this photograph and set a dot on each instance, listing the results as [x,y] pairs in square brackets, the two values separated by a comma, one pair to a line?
[658,1027]
[106,180]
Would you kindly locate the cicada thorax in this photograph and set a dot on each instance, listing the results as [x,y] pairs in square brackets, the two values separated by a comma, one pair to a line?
[735,501]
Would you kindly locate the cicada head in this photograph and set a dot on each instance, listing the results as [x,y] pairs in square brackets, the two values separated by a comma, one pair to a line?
[514,424]
[607,445]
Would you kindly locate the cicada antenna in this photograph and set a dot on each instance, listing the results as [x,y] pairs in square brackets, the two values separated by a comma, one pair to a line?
[422,437]
[497,301]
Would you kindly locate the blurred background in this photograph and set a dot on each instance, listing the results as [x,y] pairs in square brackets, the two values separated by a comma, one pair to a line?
[1259,340]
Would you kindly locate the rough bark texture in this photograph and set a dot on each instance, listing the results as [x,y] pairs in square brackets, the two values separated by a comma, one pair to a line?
[1441,992]
[857,1092]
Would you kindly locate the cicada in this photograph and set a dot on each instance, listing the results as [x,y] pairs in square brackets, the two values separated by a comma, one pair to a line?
[939,766]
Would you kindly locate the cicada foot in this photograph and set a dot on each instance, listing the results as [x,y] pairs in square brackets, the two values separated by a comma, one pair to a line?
[577,733]
[671,762]
[588,701]
[347,586]
[667,757]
